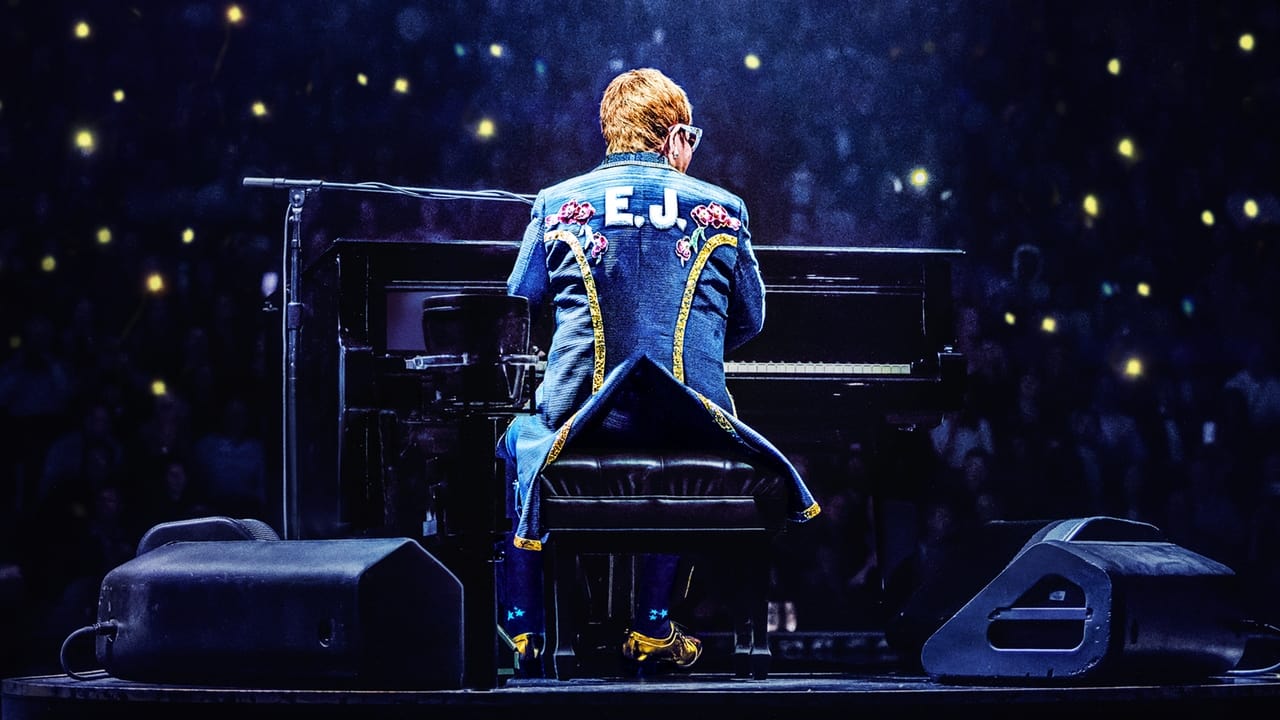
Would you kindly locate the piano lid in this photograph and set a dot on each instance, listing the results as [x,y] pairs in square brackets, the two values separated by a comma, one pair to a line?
[813,268]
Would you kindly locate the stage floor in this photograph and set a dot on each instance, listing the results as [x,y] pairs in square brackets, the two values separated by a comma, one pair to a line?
[809,695]
[822,676]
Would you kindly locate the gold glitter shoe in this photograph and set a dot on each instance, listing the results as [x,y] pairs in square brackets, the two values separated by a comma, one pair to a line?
[528,649]
[681,649]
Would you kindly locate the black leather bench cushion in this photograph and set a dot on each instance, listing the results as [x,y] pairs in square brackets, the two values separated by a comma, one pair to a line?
[653,491]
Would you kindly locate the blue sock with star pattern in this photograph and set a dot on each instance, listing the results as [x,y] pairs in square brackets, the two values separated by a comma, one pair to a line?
[654,577]
[522,592]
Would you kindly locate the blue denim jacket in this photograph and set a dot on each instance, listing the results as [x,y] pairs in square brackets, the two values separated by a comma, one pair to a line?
[648,270]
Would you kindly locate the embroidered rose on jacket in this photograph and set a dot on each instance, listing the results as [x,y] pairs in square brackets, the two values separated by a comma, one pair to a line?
[598,244]
[714,215]
[684,249]
[572,213]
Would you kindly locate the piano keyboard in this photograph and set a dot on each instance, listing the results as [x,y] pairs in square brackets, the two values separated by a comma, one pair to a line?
[778,368]
[768,368]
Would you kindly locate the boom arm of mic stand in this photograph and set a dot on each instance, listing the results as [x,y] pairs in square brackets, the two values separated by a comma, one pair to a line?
[379,187]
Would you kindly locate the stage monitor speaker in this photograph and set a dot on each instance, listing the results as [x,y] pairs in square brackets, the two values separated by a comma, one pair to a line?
[1095,599]
[968,563]
[354,613]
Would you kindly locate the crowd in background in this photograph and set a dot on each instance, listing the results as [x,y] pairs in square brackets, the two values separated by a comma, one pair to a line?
[1009,107]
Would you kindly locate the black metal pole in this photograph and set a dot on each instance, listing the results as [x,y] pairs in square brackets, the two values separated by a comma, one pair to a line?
[292,326]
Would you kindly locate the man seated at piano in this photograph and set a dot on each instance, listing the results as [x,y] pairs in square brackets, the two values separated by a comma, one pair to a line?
[650,271]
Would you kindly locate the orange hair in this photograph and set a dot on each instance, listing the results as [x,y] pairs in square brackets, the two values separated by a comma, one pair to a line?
[638,108]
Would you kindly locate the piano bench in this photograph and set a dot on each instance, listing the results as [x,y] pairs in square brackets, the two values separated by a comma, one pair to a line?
[682,503]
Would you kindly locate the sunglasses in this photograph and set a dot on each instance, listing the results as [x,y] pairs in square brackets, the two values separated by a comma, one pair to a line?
[693,133]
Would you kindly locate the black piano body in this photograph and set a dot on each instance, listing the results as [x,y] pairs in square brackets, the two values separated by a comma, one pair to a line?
[854,339]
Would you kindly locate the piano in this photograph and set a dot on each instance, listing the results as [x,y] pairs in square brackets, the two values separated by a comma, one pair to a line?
[866,334]
[854,338]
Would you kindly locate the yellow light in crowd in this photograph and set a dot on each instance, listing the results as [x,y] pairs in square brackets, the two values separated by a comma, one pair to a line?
[1049,324]
[1125,148]
[258,108]
[1246,42]
[485,129]
[1091,205]
[118,95]
[159,388]
[85,142]
[401,85]
[919,177]
[752,61]
[362,79]
[82,30]
[1206,217]
[155,283]
[1113,66]
[104,235]
[188,236]
[15,342]
[235,15]
[1133,368]
[1144,289]
[1010,318]
[1251,208]
[496,49]
[48,263]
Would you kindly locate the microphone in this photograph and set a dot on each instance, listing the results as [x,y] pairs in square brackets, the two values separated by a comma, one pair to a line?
[282,183]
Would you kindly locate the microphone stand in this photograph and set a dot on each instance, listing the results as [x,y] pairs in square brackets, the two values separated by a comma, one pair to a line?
[291,322]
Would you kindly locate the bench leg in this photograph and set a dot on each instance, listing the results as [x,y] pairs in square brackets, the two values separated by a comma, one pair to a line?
[562,607]
[751,654]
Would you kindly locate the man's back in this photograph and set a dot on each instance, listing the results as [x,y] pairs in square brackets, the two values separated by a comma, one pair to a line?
[638,258]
